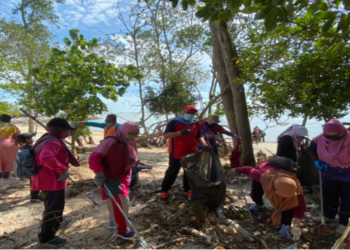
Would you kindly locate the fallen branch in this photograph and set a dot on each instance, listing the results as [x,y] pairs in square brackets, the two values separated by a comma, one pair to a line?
[246,235]
[198,234]
[169,243]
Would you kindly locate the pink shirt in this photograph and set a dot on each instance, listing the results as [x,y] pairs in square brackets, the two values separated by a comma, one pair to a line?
[53,161]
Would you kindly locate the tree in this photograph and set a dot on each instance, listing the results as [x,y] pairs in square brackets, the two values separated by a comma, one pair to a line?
[9,109]
[76,76]
[226,63]
[23,45]
[170,100]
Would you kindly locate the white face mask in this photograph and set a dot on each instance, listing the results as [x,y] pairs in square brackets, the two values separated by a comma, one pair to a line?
[34,139]
[188,117]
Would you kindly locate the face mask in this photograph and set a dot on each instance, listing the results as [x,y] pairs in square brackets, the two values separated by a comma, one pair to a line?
[188,117]
[130,137]
[65,134]
[34,139]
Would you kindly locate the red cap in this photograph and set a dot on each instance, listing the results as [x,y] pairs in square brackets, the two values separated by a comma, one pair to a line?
[190,108]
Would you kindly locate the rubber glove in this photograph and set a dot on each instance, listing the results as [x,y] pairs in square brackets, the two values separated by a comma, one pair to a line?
[64,176]
[99,179]
[296,232]
[321,165]
[186,132]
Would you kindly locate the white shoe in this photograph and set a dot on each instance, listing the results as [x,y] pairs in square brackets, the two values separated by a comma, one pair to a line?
[111,227]
[340,229]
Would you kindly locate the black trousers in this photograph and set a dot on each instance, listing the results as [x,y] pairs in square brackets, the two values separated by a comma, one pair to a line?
[33,194]
[171,175]
[257,194]
[333,191]
[52,216]
[5,175]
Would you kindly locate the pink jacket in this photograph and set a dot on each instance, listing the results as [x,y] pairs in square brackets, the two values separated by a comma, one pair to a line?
[53,161]
[257,172]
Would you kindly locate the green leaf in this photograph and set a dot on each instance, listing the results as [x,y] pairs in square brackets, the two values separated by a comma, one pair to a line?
[323,6]
[328,25]
[247,3]
[184,4]
[175,3]
[271,19]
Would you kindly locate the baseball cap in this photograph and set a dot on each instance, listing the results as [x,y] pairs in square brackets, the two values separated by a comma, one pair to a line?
[60,123]
[24,136]
[190,108]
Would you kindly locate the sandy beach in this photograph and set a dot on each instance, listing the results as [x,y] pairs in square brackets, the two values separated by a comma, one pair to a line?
[160,224]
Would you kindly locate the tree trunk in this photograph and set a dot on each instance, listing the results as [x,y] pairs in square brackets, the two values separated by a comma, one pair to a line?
[305,119]
[230,59]
[31,122]
[73,136]
[227,97]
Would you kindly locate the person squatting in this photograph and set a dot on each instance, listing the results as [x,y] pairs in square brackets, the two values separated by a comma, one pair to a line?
[279,183]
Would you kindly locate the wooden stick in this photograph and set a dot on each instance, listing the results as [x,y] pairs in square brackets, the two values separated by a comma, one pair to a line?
[33,118]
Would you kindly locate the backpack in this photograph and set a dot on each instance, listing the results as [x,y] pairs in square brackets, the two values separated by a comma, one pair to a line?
[26,165]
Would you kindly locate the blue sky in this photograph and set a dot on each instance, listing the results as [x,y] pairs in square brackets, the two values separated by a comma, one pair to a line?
[93,18]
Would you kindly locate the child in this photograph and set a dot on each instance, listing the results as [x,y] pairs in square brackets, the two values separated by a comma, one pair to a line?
[112,161]
[25,141]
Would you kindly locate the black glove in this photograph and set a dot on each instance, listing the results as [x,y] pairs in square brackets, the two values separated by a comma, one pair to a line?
[185,132]
[64,176]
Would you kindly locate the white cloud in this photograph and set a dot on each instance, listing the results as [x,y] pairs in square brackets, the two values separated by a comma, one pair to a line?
[89,12]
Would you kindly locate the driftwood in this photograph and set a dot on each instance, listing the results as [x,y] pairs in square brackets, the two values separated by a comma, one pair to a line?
[198,234]
[172,242]
[246,235]
[344,241]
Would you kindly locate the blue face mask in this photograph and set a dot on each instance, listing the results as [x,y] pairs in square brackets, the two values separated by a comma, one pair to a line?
[188,117]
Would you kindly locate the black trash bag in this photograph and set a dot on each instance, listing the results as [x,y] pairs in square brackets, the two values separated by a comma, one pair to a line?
[308,173]
[206,177]
[134,176]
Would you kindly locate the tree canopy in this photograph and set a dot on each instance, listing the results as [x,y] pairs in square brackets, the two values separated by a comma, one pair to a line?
[76,77]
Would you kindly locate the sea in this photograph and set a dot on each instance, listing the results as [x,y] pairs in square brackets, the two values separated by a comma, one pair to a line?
[271,128]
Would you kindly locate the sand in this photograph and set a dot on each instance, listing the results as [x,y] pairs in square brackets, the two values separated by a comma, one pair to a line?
[20,219]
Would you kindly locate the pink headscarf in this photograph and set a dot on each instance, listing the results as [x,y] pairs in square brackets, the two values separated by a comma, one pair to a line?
[125,129]
[335,153]
[294,131]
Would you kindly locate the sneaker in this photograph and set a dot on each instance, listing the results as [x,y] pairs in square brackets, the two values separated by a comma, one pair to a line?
[188,195]
[164,196]
[112,227]
[10,179]
[318,219]
[56,243]
[340,230]
[37,199]
[65,223]
[128,235]
[255,207]
[284,231]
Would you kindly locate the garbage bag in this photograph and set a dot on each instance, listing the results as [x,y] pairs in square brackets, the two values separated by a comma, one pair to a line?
[308,173]
[206,177]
